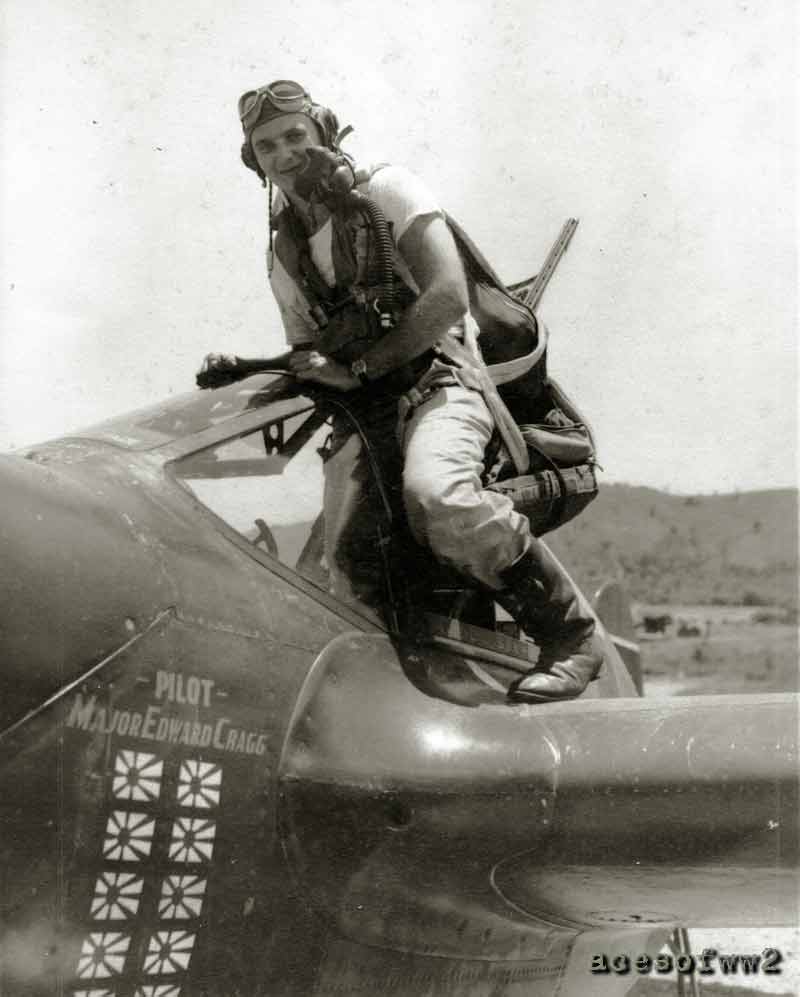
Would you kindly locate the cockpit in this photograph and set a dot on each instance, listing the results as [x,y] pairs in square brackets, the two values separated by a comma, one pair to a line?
[253,455]
[268,484]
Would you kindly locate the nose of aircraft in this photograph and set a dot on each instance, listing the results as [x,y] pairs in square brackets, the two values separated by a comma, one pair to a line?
[78,578]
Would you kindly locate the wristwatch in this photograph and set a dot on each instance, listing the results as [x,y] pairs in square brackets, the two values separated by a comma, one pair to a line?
[358,368]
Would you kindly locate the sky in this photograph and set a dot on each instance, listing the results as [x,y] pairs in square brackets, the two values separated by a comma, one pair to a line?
[132,239]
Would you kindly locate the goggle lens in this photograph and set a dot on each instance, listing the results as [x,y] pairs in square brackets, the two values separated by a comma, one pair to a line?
[284,95]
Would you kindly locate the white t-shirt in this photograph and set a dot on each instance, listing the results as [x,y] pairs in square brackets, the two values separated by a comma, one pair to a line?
[402,197]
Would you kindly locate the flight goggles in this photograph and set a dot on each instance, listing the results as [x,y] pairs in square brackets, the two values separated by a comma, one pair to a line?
[285,96]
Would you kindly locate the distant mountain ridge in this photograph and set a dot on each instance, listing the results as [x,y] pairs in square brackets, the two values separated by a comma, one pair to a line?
[725,549]
[732,549]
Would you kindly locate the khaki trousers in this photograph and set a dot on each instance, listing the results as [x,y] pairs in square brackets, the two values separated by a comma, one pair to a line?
[476,531]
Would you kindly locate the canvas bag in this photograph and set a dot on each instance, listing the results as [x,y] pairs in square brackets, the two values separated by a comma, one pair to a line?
[562,479]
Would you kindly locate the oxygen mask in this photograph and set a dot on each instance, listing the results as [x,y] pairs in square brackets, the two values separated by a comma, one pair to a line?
[325,176]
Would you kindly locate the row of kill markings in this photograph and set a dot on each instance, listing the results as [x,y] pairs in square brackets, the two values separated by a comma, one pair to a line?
[130,832]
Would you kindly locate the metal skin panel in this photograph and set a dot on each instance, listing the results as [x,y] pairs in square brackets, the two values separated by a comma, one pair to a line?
[70,581]
[150,667]
[448,829]
[351,968]
[95,543]
[143,804]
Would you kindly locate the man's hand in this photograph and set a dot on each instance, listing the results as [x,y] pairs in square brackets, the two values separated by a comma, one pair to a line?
[216,369]
[309,365]
[218,361]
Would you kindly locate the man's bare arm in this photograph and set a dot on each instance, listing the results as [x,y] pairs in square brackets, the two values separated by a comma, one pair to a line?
[432,256]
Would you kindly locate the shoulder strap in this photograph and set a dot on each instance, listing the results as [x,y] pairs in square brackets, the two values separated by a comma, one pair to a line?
[295,255]
[477,264]
[512,340]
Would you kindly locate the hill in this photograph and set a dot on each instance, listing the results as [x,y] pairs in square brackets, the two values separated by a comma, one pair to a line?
[737,549]
[740,548]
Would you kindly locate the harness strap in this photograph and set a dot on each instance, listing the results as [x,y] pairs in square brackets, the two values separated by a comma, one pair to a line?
[473,373]
[502,373]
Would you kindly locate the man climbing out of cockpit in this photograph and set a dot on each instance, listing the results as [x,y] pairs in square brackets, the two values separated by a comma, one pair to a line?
[404,357]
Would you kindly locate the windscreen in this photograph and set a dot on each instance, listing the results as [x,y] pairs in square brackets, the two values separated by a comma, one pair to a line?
[186,414]
[300,488]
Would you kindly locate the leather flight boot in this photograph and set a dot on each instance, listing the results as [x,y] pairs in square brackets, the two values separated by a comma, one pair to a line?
[546,605]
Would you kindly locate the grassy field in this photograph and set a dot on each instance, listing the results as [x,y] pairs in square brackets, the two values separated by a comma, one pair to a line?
[733,654]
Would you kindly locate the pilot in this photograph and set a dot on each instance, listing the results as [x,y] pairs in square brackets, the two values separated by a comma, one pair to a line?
[323,268]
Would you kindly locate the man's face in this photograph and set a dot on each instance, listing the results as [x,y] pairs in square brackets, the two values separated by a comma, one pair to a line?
[279,146]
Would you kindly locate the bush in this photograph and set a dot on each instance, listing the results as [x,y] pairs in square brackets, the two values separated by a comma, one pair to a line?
[763,616]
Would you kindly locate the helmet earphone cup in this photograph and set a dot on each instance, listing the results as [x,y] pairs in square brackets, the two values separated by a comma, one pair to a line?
[328,124]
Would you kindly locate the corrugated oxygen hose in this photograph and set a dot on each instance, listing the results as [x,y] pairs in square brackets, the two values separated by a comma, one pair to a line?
[385,252]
